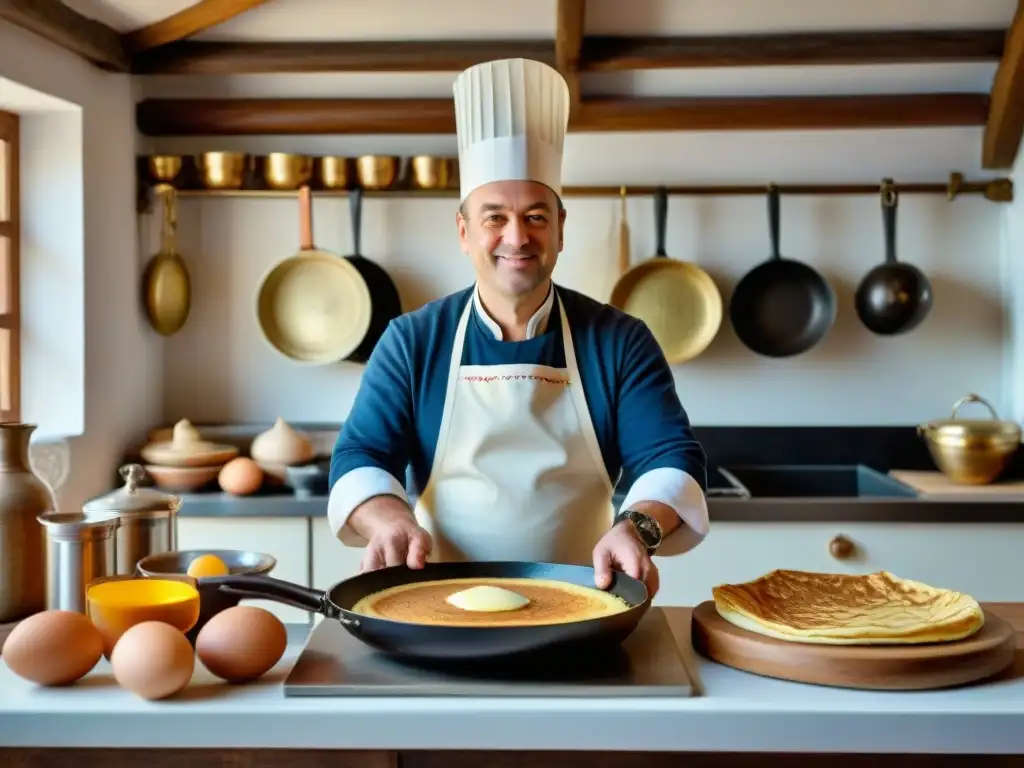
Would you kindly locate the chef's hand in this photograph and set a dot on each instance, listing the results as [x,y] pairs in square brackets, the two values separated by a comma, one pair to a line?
[622,550]
[392,533]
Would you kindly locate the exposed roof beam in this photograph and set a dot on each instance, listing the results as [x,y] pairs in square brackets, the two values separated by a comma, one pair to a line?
[52,20]
[569,21]
[187,22]
[1006,112]
[216,58]
[220,117]
[598,53]
[813,48]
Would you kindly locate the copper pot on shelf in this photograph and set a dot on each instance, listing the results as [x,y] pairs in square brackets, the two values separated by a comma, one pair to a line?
[287,172]
[377,171]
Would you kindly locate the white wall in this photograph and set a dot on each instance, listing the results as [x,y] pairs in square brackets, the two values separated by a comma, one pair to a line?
[81,258]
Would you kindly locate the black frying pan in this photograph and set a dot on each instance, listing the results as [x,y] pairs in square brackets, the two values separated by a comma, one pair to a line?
[385,302]
[893,297]
[781,307]
[434,643]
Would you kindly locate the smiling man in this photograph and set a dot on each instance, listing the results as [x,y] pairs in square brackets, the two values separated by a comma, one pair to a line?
[517,403]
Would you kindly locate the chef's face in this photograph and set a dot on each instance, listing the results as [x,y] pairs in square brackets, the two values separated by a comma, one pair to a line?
[512,230]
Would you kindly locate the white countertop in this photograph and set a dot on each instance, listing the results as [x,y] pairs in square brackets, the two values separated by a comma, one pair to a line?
[733,711]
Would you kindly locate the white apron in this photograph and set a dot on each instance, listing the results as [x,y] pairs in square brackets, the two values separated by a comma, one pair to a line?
[517,473]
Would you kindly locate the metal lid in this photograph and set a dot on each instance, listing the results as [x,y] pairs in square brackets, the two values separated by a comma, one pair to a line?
[131,499]
[76,525]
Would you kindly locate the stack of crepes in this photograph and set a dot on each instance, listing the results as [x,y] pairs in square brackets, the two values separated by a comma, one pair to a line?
[837,609]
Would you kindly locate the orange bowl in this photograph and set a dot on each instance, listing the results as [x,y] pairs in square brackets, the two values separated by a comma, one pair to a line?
[118,603]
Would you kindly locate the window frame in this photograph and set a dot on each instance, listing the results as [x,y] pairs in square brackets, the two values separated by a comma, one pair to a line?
[10,375]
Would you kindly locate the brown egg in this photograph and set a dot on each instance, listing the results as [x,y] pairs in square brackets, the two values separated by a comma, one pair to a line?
[240,476]
[53,647]
[153,660]
[241,643]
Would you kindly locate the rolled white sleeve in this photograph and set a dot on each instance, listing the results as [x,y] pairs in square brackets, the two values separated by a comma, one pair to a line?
[351,490]
[680,491]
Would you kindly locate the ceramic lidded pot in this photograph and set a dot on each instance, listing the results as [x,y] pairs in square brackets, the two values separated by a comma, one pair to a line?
[148,518]
[186,448]
[281,446]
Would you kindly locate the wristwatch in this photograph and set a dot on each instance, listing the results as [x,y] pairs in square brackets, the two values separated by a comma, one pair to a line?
[647,528]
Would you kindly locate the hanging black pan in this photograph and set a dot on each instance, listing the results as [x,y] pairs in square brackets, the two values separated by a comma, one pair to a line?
[782,307]
[425,642]
[893,297]
[385,301]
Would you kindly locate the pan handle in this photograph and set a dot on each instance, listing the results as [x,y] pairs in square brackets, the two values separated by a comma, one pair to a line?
[773,218]
[355,207]
[890,198]
[660,219]
[278,590]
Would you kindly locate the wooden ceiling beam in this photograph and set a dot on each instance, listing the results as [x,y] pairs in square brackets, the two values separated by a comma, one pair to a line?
[598,54]
[187,22]
[225,117]
[570,18]
[603,54]
[53,21]
[1005,122]
[232,58]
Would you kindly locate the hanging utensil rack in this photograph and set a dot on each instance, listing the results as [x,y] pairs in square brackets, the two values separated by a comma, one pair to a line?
[997,190]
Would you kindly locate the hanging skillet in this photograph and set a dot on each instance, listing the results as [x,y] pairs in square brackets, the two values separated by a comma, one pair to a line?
[313,307]
[677,300]
[385,301]
[782,307]
[893,297]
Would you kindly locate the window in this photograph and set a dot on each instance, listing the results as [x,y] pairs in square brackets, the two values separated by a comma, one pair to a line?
[10,320]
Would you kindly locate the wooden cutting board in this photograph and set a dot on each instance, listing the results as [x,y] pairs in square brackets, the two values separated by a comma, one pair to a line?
[882,667]
[938,485]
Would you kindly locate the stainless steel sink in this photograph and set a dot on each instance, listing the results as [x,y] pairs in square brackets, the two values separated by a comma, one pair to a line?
[825,481]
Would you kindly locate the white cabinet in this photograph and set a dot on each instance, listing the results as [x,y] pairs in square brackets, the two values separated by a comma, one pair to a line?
[981,559]
[285,538]
[332,560]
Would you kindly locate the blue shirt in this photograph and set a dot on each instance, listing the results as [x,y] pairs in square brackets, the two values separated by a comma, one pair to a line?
[642,428]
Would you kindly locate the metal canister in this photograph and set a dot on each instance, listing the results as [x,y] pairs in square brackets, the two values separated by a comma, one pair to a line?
[78,550]
[148,518]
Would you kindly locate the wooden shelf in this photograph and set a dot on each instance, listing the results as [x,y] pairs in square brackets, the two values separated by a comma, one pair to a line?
[996,190]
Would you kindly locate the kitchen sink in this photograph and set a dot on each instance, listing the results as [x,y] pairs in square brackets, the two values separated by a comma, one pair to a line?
[814,481]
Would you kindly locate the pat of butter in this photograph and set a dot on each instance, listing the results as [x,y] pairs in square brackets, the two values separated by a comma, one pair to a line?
[487,599]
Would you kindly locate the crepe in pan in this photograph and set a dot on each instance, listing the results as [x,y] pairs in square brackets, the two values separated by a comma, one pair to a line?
[480,602]
[838,609]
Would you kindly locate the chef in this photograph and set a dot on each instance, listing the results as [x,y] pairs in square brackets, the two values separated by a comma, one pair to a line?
[518,404]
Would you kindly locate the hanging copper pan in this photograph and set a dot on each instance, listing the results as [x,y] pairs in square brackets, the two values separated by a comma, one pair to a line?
[313,307]
[678,300]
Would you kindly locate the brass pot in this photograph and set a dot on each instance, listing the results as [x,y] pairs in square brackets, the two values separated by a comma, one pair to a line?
[222,170]
[283,171]
[377,171]
[333,171]
[971,451]
[430,172]
[164,168]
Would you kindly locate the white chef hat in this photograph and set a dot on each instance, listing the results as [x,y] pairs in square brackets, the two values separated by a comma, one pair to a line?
[510,118]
